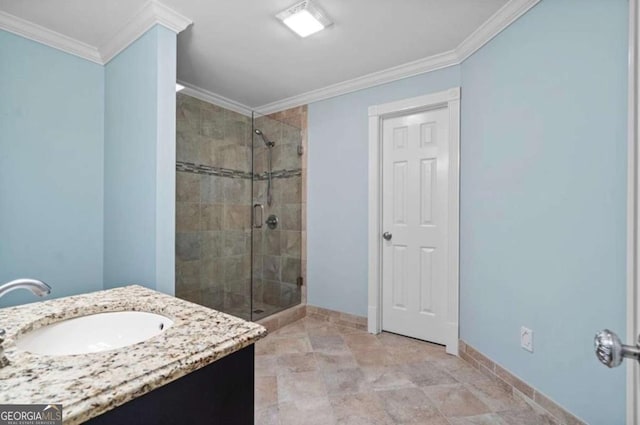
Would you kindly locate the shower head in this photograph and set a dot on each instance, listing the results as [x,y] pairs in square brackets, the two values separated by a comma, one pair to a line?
[266,141]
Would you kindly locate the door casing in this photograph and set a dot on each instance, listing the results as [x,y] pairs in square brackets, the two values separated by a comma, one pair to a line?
[451,100]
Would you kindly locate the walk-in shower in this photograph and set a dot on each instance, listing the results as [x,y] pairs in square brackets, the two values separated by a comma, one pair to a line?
[238,210]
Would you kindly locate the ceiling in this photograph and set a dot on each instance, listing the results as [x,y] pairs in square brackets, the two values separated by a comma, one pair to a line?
[237,48]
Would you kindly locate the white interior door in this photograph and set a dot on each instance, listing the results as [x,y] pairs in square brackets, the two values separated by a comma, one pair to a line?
[415,180]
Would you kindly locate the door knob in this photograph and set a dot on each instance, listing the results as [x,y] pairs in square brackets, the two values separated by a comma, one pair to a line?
[387,236]
[611,351]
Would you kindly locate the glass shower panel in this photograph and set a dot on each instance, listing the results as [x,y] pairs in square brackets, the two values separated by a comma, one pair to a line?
[277,216]
[213,206]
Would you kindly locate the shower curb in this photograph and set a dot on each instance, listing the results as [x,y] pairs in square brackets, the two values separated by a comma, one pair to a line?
[283,318]
[286,317]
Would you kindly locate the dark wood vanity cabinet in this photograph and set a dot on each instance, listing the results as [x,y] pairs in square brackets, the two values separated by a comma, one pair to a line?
[218,394]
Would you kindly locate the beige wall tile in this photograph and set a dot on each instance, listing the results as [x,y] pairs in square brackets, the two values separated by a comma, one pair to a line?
[212,243]
[290,244]
[188,275]
[211,121]
[237,217]
[187,187]
[212,189]
[187,147]
[212,274]
[187,216]
[212,216]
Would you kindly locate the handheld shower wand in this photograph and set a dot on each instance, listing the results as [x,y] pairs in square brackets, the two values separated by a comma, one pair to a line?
[269,145]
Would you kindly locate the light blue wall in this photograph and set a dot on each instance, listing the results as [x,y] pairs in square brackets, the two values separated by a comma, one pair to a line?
[543,199]
[87,166]
[166,162]
[338,189]
[136,108]
[51,169]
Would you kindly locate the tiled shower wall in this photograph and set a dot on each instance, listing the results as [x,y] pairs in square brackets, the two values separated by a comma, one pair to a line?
[213,210]
[278,252]
[297,118]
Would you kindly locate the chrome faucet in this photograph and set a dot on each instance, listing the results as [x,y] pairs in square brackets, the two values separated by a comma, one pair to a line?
[38,288]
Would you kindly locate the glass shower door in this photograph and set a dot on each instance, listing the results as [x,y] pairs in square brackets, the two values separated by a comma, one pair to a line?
[213,206]
[277,216]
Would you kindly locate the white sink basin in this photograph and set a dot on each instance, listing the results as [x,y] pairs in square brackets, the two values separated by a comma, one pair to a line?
[94,333]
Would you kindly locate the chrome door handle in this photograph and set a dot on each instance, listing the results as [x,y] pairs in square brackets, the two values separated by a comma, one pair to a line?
[611,351]
[258,223]
[387,236]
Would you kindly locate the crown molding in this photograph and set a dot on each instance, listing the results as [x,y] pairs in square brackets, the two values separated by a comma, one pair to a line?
[493,26]
[214,98]
[152,13]
[500,20]
[431,63]
[40,34]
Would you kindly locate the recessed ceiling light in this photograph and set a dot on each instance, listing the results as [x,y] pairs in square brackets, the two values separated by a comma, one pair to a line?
[179,87]
[304,18]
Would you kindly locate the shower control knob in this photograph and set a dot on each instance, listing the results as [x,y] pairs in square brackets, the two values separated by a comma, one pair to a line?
[272,221]
[387,236]
[611,351]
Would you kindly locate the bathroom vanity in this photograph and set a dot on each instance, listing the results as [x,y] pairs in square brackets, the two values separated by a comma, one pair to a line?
[197,367]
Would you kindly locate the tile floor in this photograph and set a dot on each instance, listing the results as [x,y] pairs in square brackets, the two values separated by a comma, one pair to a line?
[314,373]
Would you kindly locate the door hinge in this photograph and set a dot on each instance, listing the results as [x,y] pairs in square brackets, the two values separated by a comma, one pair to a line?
[300,281]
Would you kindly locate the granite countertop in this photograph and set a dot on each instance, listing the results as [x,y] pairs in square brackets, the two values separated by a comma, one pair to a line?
[88,385]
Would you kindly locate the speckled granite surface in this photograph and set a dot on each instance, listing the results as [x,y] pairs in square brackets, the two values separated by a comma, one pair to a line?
[88,385]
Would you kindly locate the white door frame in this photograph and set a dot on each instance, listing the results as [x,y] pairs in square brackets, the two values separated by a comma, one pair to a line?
[450,99]
[633,216]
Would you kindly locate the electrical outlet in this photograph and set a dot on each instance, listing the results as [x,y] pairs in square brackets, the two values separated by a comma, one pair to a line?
[526,339]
